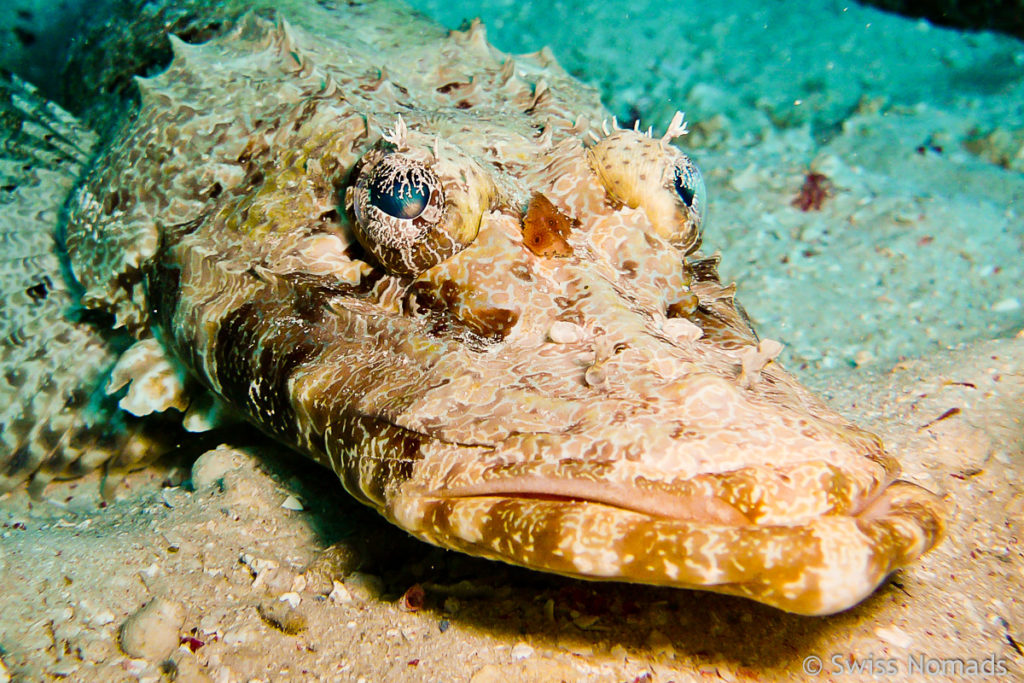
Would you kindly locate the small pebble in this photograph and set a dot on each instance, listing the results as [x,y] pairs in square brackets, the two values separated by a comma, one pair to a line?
[292,503]
[63,669]
[241,634]
[151,633]
[95,615]
[596,375]
[276,580]
[283,617]
[174,497]
[863,357]
[101,618]
[340,595]
[364,587]
[293,599]
[1006,305]
[209,469]
[521,651]
[895,636]
[331,565]
[202,416]
[186,667]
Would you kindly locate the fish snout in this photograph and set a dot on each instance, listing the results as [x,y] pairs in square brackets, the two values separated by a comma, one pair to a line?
[813,540]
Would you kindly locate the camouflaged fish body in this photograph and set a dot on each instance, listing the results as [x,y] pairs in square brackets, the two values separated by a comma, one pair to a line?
[425,264]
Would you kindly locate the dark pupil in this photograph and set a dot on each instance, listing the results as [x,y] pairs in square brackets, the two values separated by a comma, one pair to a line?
[398,195]
[683,188]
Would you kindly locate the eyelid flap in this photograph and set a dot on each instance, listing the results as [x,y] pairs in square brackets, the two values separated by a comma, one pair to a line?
[649,174]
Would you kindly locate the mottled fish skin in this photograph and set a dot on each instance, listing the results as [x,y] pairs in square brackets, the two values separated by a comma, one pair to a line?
[425,264]
[56,419]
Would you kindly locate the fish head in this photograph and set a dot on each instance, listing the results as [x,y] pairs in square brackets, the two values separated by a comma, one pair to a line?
[609,412]
[432,267]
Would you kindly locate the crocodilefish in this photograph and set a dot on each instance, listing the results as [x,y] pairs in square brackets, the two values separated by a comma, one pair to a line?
[446,273]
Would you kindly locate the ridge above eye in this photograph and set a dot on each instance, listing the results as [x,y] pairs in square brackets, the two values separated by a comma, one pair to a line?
[651,175]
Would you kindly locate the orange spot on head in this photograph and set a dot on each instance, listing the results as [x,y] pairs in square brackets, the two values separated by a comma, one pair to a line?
[545,229]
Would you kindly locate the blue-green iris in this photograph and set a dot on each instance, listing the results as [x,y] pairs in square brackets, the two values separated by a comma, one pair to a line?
[399,195]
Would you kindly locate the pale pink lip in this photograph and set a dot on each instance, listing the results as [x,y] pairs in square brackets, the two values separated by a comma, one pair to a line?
[654,503]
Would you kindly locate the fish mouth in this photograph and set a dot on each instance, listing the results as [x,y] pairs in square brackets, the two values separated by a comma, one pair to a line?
[651,502]
[742,498]
[815,566]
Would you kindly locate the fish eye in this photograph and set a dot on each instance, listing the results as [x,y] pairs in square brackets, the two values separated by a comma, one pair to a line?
[689,186]
[415,206]
[400,188]
[398,207]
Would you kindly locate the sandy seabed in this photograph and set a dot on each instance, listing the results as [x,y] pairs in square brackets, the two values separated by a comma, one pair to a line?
[899,299]
[228,564]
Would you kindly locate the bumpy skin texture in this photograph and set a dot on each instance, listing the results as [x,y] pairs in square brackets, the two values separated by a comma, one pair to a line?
[56,419]
[561,382]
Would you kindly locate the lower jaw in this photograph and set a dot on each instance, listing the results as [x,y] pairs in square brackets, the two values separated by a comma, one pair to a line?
[824,565]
